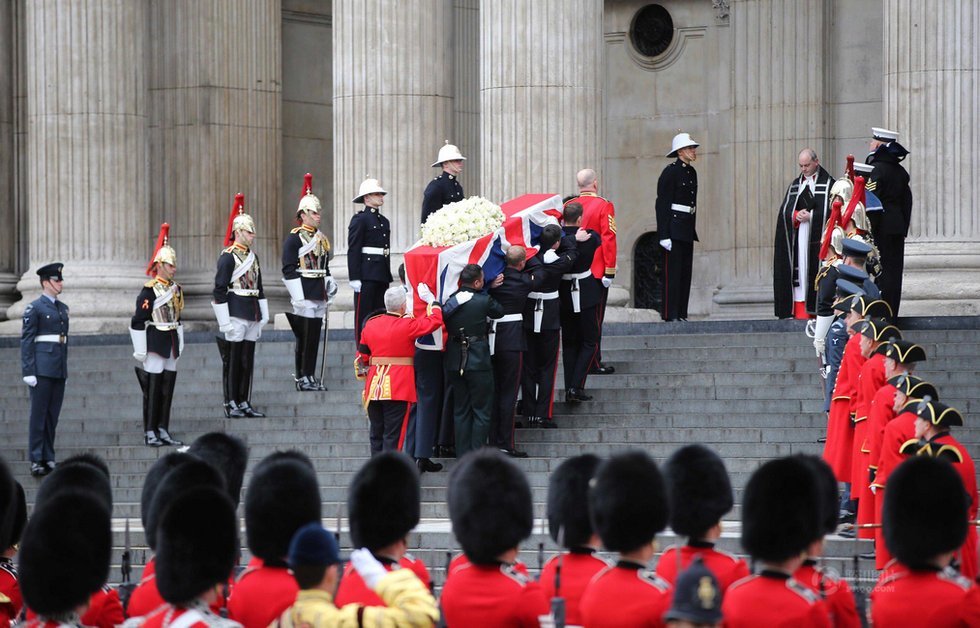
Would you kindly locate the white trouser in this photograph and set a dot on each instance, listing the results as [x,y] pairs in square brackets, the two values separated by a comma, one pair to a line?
[154,363]
[310,309]
[243,330]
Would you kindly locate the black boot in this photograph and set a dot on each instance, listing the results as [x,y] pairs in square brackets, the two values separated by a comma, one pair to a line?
[154,394]
[169,381]
[245,381]
[233,381]
[224,349]
[141,377]
[298,326]
[310,353]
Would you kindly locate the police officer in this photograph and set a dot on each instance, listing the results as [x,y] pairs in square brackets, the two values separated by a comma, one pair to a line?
[158,341]
[580,298]
[305,255]
[677,198]
[368,253]
[889,181]
[44,365]
[241,309]
[445,188]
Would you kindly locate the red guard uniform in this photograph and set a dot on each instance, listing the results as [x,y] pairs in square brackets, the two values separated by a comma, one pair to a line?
[726,567]
[906,598]
[625,596]
[899,431]
[146,598]
[10,589]
[198,615]
[772,599]
[871,379]
[460,560]
[599,215]
[104,609]
[578,567]
[261,594]
[352,589]
[835,593]
[840,428]
[491,596]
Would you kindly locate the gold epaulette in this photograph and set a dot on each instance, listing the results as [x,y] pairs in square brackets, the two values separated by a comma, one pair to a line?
[150,283]
[230,249]
[296,230]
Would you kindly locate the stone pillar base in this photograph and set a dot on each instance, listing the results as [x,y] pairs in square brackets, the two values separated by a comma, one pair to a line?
[941,279]
[8,293]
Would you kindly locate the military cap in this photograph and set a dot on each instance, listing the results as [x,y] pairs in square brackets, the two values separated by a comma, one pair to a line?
[878,329]
[938,413]
[313,545]
[228,454]
[827,489]
[905,351]
[158,471]
[282,496]
[855,247]
[489,505]
[781,510]
[697,596]
[568,496]
[191,474]
[871,308]
[851,274]
[862,168]
[925,512]
[51,271]
[628,501]
[64,554]
[383,501]
[848,288]
[914,387]
[883,135]
[84,472]
[198,543]
[845,303]
[699,492]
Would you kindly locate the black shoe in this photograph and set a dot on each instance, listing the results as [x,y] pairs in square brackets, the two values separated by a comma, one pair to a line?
[445,451]
[845,517]
[234,411]
[250,411]
[847,532]
[575,395]
[151,440]
[548,424]
[424,464]
[602,369]
[533,421]
[308,384]
[39,469]
[51,464]
[167,439]
[518,425]
[513,453]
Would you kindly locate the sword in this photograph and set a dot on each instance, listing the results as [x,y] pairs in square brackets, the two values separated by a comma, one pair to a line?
[323,352]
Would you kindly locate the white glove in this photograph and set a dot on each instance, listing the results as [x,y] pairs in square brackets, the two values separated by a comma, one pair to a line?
[138,336]
[369,568]
[180,339]
[31,381]
[606,282]
[820,346]
[264,309]
[425,293]
[463,296]
[355,285]
[666,243]
[224,318]
[330,288]
[549,256]
[295,288]
[820,334]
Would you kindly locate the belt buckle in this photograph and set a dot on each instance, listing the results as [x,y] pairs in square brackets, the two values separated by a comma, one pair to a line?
[62,338]
[387,252]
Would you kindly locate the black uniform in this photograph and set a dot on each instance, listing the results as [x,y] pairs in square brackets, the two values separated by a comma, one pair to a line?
[890,183]
[44,355]
[468,366]
[678,186]
[441,191]
[305,256]
[158,308]
[580,294]
[368,261]
[508,347]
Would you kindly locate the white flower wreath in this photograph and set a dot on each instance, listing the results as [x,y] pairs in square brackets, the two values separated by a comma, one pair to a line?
[459,222]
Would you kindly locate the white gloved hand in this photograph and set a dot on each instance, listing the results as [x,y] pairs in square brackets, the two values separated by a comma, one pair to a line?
[820,334]
[355,285]
[369,568]
[139,357]
[463,296]
[180,339]
[31,381]
[606,282]
[224,318]
[549,256]
[295,289]
[264,310]
[820,344]
[666,244]
[330,288]
[425,293]
[138,336]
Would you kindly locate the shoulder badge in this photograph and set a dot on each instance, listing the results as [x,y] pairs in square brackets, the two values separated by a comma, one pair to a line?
[954,577]
[653,580]
[296,230]
[802,591]
[229,249]
[149,284]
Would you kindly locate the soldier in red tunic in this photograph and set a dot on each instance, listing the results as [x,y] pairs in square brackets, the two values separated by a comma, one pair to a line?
[926,520]
[781,514]
[490,508]
[383,503]
[566,575]
[700,494]
[628,502]
[13,505]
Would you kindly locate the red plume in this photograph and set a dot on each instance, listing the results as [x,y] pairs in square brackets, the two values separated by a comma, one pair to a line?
[831,223]
[161,240]
[307,185]
[849,168]
[857,196]
[237,208]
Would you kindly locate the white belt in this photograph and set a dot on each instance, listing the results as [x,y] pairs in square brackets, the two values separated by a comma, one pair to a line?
[539,299]
[682,208]
[313,273]
[374,250]
[506,318]
[581,275]
[162,326]
[242,292]
[60,339]
[576,295]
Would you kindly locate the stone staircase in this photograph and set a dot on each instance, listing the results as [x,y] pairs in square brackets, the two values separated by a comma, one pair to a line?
[750,390]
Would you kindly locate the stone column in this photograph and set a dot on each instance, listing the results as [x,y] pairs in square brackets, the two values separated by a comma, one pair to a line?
[86,159]
[931,80]
[541,94]
[779,104]
[215,130]
[466,90]
[8,208]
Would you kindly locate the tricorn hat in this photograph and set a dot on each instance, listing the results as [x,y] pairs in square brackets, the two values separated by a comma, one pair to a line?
[780,510]
[568,492]
[282,496]
[384,500]
[938,413]
[699,491]
[681,140]
[914,387]
[448,152]
[905,352]
[228,454]
[867,307]
[368,186]
[878,330]
[628,501]
[489,505]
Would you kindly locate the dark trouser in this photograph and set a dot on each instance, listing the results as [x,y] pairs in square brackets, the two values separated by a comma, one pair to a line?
[46,399]
[472,405]
[580,343]
[370,299]
[446,432]
[892,251]
[424,416]
[540,367]
[602,318]
[678,264]
[388,419]
[507,381]
[307,332]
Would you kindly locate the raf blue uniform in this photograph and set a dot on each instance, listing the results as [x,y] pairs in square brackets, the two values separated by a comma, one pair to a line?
[44,355]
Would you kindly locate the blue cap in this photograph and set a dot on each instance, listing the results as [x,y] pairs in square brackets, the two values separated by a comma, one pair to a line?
[852,247]
[50,271]
[855,275]
[313,545]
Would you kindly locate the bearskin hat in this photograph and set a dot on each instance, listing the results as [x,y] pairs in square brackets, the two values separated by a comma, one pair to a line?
[383,501]
[64,555]
[8,497]
[158,471]
[226,453]
[193,473]
[699,492]
[827,490]
[19,513]
[489,505]
[568,496]
[85,472]
[282,496]
[925,510]
[628,501]
[198,543]
[781,510]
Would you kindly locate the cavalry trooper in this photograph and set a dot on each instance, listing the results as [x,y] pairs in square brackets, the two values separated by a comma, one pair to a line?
[445,188]
[305,254]
[44,365]
[241,309]
[368,253]
[158,341]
